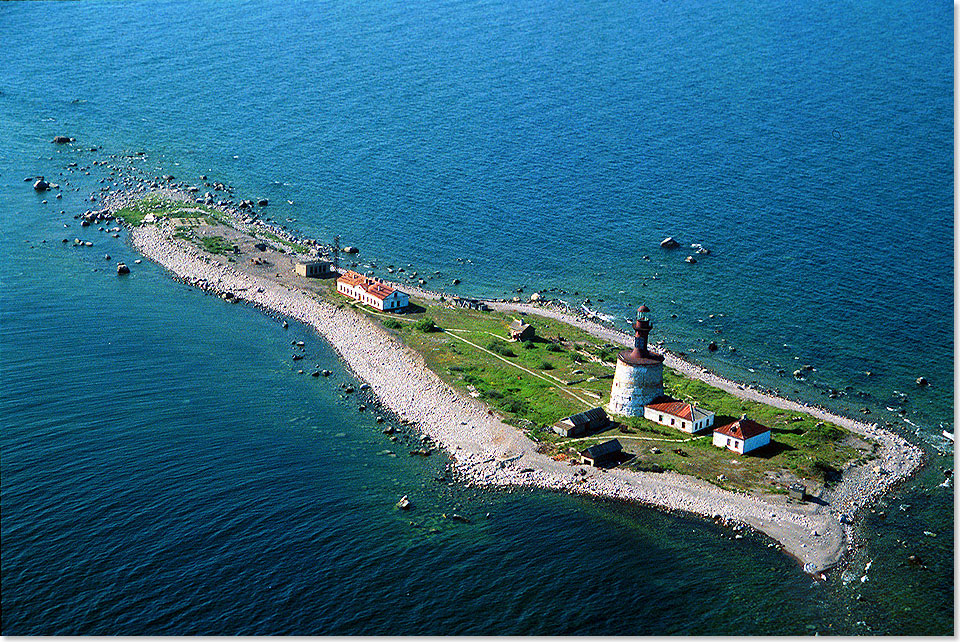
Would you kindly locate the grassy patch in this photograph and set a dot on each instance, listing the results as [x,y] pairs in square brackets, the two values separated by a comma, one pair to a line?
[216,245]
[270,236]
[513,382]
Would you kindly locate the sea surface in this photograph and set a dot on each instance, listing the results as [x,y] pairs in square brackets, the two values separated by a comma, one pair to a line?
[165,470]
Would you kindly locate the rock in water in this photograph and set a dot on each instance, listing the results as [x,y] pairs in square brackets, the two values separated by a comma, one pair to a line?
[404,503]
[351,250]
[669,243]
[41,185]
[690,260]
[63,140]
[922,382]
[263,202]
[122,268]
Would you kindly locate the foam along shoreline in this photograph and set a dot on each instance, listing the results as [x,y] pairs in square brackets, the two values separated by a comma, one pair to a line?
[485,450]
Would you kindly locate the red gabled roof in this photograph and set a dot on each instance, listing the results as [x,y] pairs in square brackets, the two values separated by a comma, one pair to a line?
[670,406]
[742,429]
[378,290]
[352,278]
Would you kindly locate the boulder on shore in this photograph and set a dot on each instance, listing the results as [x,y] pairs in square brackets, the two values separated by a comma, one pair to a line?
[669,243]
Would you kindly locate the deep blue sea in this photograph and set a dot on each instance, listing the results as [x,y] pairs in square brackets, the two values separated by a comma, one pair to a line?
[166,471]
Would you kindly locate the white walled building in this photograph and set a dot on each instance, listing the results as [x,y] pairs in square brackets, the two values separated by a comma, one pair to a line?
[742,436]
[678,414]
[371,292]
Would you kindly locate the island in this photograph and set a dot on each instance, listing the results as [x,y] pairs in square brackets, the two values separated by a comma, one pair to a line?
[492,383]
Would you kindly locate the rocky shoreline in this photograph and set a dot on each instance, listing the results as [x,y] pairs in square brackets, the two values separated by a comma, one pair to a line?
[488,452]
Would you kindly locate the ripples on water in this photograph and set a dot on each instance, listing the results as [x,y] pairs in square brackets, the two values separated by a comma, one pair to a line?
[166,471]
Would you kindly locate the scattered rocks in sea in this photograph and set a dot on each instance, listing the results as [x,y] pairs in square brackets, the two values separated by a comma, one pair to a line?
[459,518]
[404,503]
[315,373]
[122,268]
[297,357]
[669,243]
[351,250]
[713,347]
[690,260]
[263,202]
[41,185]
[922,382]
[799,374]
[326,373]
[348,390]
[364,386]
[63,140]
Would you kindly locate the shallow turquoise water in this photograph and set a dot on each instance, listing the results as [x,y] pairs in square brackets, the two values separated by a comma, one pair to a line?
[164,469]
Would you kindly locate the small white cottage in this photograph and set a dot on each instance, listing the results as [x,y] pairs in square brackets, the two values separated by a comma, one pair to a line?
[742,436]
[678,414]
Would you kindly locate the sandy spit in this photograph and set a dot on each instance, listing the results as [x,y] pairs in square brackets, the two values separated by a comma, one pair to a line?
[490,453]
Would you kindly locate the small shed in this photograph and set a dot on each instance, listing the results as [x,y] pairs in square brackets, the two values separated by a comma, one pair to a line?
[314,269]
[797,491]
[582,423]
[520,331]
[600,453]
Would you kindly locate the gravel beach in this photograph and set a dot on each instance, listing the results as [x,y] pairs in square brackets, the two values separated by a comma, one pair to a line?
[488,452]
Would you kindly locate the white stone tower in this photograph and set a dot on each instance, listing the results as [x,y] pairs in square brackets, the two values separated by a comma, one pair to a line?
[639,376]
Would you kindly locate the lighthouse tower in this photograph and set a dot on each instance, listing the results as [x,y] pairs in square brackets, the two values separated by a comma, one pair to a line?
[639,376]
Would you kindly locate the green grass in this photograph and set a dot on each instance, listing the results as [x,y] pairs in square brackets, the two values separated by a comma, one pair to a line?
[534,400]
[163,207]
[216,245]
[296,247]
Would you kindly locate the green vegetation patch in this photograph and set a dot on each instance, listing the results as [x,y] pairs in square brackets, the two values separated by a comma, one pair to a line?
[270,236]
[473,353]
[216,245]
[165,207]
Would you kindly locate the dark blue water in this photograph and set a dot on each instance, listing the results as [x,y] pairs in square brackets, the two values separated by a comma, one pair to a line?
[164,469]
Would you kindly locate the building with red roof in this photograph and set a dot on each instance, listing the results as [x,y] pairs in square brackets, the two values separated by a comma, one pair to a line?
[681,415]
[742,436]
[372,292]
